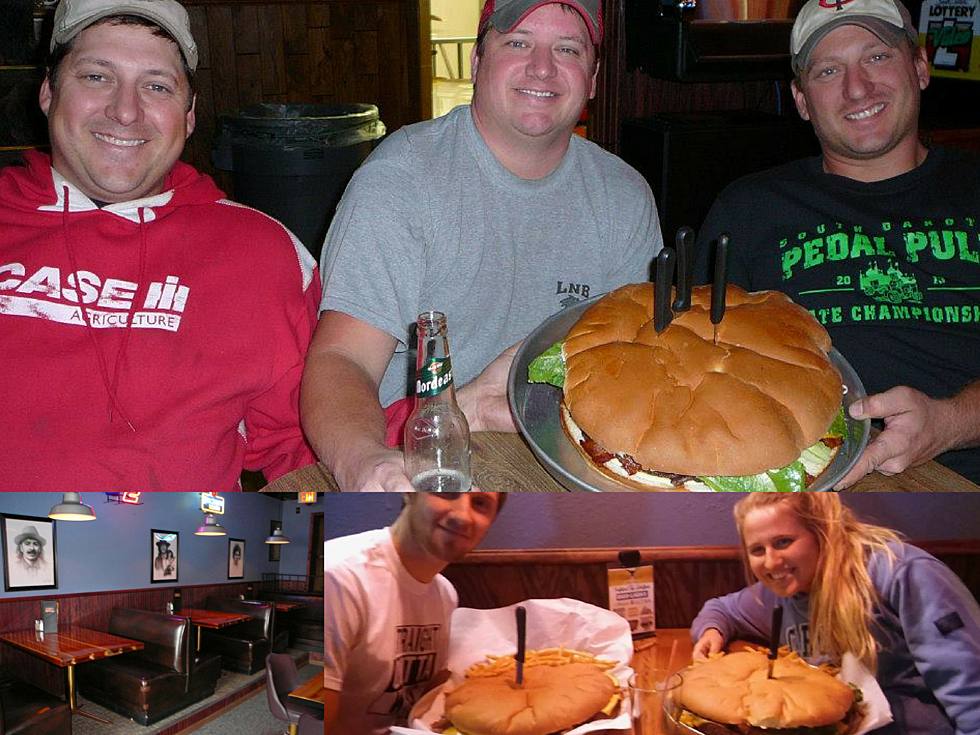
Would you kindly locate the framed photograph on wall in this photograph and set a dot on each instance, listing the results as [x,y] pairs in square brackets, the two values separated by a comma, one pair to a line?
[30,555]
[236,558]
[274,550]
[164,550]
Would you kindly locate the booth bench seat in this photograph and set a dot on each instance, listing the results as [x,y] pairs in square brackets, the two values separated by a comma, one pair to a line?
[27,710]
[243,646]
[163,678]
[305,624]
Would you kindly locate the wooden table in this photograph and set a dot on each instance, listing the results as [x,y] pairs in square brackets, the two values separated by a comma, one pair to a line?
[503,463]
[287,606]
[209,619]
[69,646]
[311,691]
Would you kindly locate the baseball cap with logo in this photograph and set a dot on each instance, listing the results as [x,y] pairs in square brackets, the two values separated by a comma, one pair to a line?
[73,16]
[889,20]
[505,15]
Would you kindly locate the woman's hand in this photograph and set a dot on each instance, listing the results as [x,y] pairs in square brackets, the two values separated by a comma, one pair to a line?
[710,642]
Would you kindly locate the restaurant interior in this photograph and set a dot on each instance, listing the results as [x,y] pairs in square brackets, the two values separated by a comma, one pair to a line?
[161,613]
[546,550]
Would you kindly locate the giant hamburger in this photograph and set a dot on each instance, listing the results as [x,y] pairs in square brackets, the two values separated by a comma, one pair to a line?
[758,410]
[557,693]
[733,694]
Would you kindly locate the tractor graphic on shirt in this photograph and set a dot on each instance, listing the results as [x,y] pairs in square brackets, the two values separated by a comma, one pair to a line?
[891,286]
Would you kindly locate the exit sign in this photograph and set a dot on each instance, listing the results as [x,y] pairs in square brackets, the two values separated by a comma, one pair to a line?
[307,497]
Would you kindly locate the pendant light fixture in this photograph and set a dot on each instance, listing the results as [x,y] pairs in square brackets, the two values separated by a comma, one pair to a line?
[211,527]
[278,537]
[71,508]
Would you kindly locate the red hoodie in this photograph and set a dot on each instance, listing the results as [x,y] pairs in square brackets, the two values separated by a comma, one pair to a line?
[184,366]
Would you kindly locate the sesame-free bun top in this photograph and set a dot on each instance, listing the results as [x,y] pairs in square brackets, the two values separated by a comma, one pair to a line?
[551,699]
[678,403]
[734,690]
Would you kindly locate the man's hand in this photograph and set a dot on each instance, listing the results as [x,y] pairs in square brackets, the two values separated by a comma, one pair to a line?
[710,642]
[917,428]
[380,471]
[484,399]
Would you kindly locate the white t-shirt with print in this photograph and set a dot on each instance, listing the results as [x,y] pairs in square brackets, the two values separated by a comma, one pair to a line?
[386,633]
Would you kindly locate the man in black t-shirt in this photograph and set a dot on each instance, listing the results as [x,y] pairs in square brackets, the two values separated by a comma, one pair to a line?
[879,237]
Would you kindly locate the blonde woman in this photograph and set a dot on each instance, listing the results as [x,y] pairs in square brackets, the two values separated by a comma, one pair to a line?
[850,586]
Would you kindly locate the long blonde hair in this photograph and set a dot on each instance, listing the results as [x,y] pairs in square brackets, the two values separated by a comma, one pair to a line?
[842,597]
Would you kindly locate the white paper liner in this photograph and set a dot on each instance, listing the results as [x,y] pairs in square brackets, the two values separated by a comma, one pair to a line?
[475,634]
[877,713]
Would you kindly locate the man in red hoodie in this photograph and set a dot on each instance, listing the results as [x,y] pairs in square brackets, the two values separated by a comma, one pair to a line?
[153,333]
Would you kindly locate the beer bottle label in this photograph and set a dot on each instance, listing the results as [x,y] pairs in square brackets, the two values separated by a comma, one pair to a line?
[434,377]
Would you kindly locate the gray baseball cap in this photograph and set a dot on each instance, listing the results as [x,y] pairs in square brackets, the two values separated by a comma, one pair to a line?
[74,16]
[889,20]
[505,15]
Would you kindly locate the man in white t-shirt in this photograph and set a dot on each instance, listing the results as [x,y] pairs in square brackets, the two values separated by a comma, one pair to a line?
[387,608]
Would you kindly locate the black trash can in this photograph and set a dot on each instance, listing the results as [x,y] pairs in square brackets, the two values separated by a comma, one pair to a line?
[293,161]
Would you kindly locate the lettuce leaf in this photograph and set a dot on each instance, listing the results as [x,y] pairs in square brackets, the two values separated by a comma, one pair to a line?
[789,479]
[838,429]
[548,367]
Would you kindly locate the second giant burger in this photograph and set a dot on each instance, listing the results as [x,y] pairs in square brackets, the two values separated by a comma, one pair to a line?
[760,409]
[732,694]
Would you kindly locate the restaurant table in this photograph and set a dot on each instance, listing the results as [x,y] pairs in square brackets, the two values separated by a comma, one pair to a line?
[69,646]
[311,691]
[504,463]
[209,619]
[287,606]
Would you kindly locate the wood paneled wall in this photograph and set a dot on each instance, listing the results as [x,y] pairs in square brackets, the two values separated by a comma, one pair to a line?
[294,51]
[623,94]
[92,610]
[684,577]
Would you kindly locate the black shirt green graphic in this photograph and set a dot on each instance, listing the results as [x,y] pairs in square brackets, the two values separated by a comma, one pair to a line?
[891,268]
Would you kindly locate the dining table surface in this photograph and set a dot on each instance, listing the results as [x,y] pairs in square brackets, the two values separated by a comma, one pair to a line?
[287,606]
[310,691]
[210,618]
[503,462]
[70,645]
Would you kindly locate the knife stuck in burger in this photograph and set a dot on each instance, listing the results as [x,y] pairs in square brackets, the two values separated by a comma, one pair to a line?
[760,409]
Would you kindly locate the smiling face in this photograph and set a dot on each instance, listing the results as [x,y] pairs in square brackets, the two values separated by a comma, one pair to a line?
[533,82]
[862,97]
[119,113]
[30,549]
[447,526]
[782,553]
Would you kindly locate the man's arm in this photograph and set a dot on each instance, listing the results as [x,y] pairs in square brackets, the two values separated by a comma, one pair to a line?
[339,404]
[917,428]
[484,399]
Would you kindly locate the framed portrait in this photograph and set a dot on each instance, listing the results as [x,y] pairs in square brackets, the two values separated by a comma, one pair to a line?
[30,553]
[164,552]
[274,551]
[236,558]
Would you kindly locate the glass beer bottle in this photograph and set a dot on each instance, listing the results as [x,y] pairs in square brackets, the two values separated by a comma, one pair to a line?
[437,437]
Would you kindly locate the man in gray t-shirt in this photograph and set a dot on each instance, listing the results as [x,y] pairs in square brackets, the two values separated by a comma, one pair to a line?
[494,214]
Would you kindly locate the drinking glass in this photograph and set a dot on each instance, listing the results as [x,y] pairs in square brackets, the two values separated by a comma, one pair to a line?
[654,705]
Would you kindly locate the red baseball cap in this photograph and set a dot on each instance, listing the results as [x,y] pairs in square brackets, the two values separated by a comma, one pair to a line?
[505,15]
